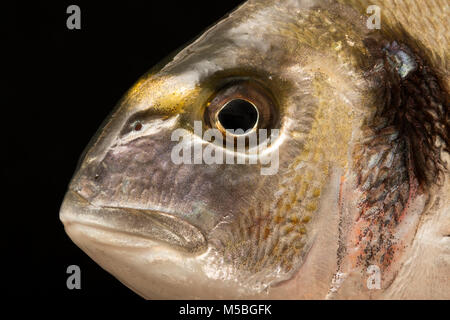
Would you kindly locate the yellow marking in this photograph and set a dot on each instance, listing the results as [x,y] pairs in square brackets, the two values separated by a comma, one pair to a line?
[295,220]
[302,191]
[311,206]
[316,192]
[163,95]
[302,230]
[306,219]
[289,229]
[266,233]
[278,219]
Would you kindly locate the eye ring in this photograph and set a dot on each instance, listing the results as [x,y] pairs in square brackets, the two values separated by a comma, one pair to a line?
[243,104]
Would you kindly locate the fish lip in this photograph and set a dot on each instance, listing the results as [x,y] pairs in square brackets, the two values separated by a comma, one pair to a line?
[153,225]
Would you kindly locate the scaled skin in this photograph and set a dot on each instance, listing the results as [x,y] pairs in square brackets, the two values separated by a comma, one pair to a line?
[225,231]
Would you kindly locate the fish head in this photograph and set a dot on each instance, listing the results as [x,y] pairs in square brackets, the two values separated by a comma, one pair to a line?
[174,213]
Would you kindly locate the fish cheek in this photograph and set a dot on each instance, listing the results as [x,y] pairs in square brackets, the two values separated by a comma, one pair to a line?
[269,240]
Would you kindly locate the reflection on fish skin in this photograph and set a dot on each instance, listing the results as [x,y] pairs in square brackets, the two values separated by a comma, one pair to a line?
[362,180]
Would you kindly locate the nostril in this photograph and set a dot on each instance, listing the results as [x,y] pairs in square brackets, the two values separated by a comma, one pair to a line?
[137,126]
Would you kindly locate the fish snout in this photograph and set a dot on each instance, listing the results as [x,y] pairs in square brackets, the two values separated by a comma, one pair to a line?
[135,224]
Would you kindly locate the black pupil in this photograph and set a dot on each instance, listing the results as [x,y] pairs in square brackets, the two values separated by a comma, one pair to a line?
[238,114]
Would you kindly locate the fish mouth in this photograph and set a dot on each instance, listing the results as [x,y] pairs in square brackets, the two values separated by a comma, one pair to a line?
[157,226]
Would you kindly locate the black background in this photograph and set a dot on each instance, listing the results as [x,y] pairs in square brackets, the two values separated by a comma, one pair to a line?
[64,83]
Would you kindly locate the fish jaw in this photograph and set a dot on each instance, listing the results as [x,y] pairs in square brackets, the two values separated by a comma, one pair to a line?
[152,269]
[145,224]
[155,254]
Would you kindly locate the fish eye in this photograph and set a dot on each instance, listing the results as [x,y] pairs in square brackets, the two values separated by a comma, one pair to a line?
[240,108]
[238,114]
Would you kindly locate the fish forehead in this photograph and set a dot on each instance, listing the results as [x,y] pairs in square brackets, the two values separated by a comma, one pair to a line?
[275,38]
